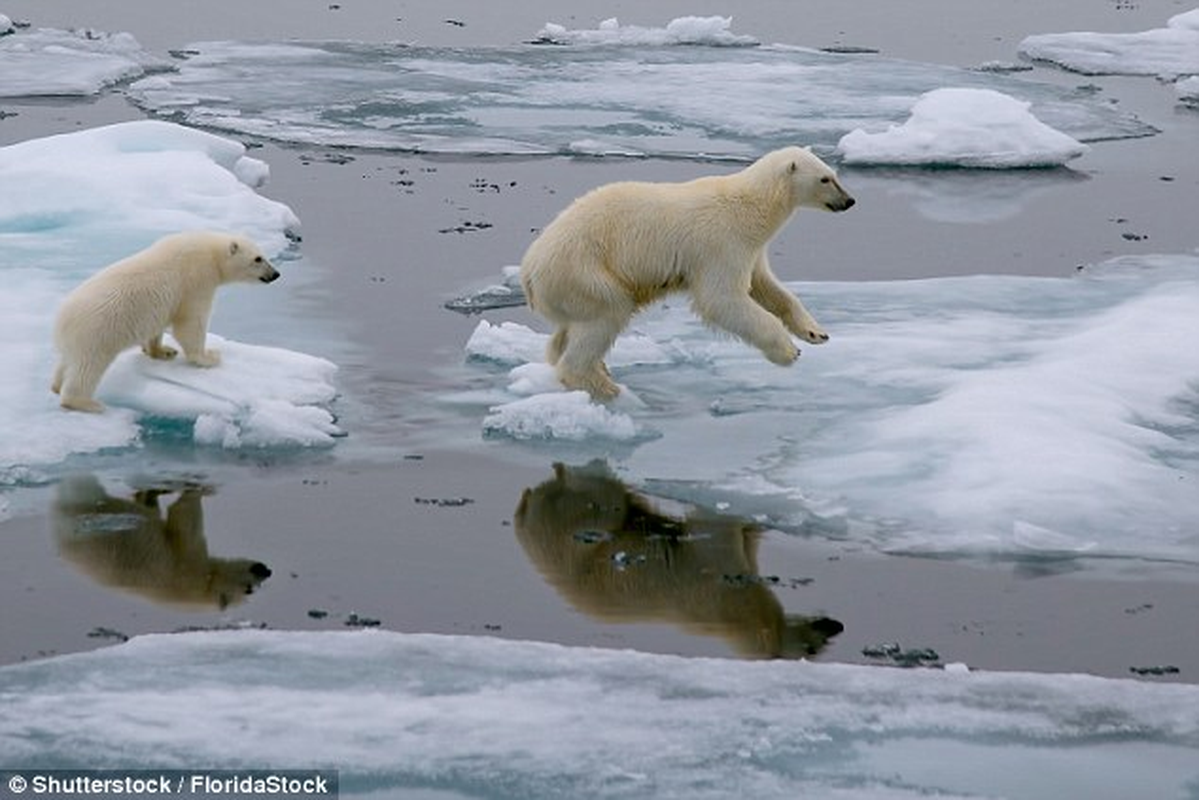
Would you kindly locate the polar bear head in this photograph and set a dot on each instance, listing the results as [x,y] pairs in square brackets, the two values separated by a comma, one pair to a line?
[813,184]
[244,262]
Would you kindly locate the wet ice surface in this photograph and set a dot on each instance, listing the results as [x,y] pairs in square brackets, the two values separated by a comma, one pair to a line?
[1005,416]
[628,94]
[487,718]
[1167,52]
[103,194]
[49,62]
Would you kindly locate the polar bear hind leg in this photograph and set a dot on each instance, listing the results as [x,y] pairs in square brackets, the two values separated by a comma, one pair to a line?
[556,344]
[77,384]
[581,364]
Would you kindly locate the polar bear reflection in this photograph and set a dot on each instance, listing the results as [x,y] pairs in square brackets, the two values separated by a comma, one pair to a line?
[611,555]
[129,544]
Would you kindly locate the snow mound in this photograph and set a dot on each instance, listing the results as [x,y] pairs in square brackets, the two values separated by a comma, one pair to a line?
[965,128]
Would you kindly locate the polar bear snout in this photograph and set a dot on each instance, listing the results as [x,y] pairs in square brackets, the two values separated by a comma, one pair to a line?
[843,204]
[270,274]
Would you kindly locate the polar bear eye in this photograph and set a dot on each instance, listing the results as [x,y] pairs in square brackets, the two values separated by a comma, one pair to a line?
[257,259]
[825,179]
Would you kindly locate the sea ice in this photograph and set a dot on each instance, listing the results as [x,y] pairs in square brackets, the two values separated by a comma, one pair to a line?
[104,193]
[1168,52]
[1017,417]
[611,98]
[967,128]
[681,30]
[487,718]
[46,61]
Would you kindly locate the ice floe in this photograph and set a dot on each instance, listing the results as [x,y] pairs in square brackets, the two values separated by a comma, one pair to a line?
[104,193]
[714,31]
[634,95]
[966,128]
[50,62]
[486,718]
[1019,417]
[1167,52]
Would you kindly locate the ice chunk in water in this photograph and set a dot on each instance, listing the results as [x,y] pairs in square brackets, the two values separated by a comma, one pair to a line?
[964,127]
[45,61]
[1168,52]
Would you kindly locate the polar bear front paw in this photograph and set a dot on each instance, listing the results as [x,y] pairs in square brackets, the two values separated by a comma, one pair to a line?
[160,352]
[208,358]
[784,354]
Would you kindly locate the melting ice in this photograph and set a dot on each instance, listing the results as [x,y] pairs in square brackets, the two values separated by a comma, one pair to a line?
[627,91]
[51,62]
[485,718]
[103,194]
[1009,416]
[1167,52]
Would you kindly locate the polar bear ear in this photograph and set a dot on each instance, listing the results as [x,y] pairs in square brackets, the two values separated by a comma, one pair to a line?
[233,247]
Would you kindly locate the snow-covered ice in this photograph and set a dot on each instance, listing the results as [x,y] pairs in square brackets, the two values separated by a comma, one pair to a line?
[632,94]
[1007,416]
[104,193]
[1168,52]
[486,718]
[964,127]
[715,31]
[51,62]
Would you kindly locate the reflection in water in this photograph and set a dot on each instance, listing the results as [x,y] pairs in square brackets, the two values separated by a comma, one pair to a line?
[128,544]
[616,558]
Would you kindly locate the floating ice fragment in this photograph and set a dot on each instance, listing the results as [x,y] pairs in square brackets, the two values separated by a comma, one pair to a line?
[1167,52]
[714,31]
[569,416]
[257,397]
[49,62]
[965,128]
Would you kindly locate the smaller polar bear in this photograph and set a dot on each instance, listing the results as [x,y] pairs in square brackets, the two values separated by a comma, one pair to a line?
[624,245]
[169,284]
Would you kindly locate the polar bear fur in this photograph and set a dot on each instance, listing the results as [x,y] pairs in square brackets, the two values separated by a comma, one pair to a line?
[625,245]
[170,284]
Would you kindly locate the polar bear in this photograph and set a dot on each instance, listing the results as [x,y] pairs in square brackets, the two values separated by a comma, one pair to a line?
[169,284]
[624,245]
